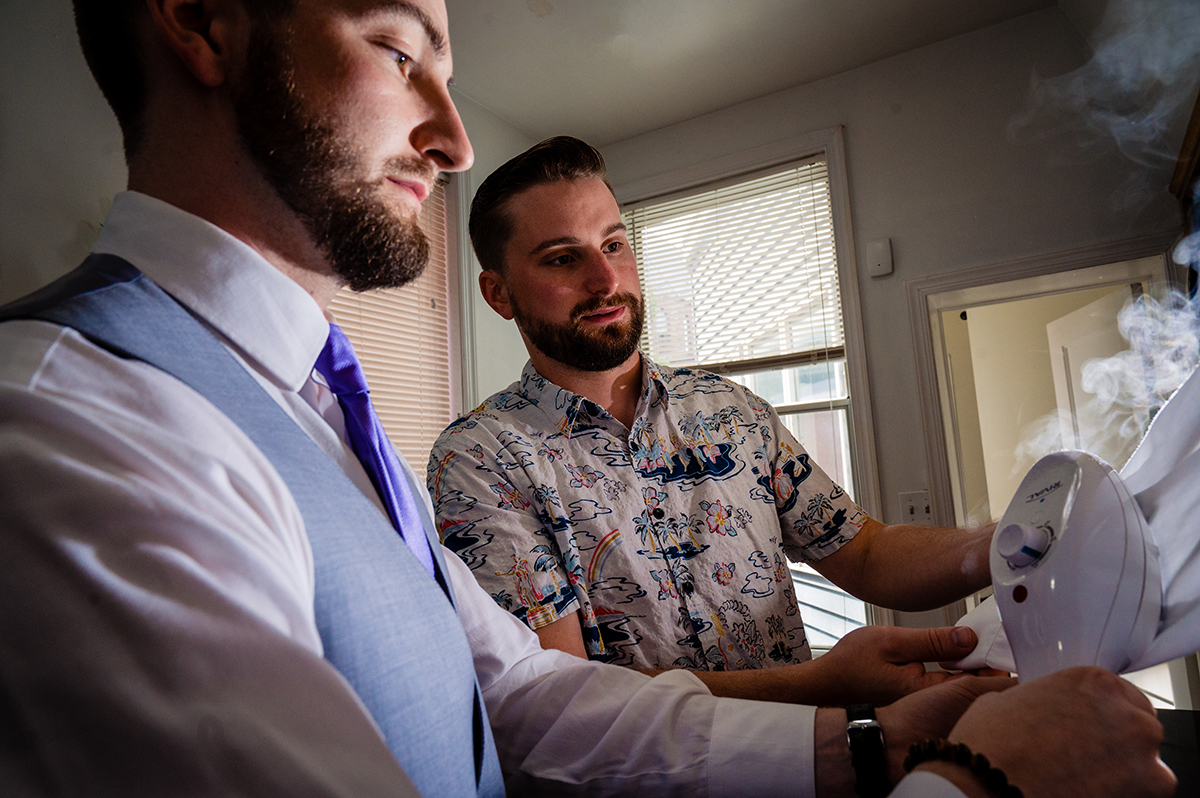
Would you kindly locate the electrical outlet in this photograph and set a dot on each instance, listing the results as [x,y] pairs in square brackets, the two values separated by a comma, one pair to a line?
[914,508]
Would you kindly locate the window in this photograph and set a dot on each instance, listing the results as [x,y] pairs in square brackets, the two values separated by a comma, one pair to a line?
[741,278]
[402,337]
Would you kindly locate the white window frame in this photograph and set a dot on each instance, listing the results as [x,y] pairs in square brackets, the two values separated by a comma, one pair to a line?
[463,266]
[827,144]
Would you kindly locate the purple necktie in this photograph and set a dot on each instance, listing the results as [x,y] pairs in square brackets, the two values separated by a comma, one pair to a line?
[341,370]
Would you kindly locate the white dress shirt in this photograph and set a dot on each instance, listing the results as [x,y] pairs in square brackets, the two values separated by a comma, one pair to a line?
[156,586]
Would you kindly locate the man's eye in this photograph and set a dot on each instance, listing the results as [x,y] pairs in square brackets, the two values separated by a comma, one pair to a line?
[615,246]
[402,59]
[561,260]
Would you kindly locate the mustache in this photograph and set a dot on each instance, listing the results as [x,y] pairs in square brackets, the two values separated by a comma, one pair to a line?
[412,167]
[599,303]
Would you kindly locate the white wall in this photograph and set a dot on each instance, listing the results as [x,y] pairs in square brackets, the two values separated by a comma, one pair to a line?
[933,167]
[1014,381]
[60,148]
[975,506]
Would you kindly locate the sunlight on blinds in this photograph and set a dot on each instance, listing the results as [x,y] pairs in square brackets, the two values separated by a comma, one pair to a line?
[402,337]
[744,271]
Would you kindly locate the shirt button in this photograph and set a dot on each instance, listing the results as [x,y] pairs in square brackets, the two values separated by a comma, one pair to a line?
[658,512]
[689,588]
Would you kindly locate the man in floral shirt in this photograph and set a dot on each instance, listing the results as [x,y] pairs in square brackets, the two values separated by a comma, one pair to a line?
[633,513]
[667,537]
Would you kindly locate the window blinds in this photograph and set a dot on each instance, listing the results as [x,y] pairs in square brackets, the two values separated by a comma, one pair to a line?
[742,271]
[402,337]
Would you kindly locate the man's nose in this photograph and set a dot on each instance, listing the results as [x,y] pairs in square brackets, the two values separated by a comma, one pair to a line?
[442,137]
[601,276]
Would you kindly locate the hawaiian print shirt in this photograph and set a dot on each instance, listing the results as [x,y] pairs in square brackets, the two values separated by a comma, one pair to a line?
[668,539]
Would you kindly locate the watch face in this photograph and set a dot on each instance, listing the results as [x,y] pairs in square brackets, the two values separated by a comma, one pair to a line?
[864,732]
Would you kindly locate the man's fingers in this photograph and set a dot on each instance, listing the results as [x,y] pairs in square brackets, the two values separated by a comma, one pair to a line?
[930,678]
[1111,748]
[944,644]
[974,672]
[976,686]
[1162,780]
[1136,697]
[1103,683]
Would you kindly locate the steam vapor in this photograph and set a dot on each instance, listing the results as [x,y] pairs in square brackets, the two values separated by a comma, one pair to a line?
[1129,388]
[1145,67]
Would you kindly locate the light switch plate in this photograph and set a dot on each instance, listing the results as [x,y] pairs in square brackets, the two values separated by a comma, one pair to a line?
[914,508]
[879,257]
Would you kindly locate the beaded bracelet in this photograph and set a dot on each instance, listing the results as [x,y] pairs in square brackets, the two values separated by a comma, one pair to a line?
[992,778]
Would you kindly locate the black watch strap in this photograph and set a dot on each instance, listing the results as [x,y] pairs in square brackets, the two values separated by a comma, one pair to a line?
[867,752]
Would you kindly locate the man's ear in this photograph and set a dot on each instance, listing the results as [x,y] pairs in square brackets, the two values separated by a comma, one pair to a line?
[495,292]
[205,34]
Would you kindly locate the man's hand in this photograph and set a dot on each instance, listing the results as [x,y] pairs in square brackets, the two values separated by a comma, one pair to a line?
[1079,732]
[881,664]
[931,713]
[917,717]
[871,665]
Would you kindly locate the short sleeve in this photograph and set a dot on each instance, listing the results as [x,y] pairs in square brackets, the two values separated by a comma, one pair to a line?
[493,517]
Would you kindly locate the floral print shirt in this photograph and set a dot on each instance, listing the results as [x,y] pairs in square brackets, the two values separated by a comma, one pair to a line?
[669,538]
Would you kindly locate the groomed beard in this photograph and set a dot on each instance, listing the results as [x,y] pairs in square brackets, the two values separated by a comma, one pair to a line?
[316,171]
[571,345]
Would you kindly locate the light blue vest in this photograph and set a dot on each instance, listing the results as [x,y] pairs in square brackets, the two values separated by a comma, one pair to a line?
[385,625]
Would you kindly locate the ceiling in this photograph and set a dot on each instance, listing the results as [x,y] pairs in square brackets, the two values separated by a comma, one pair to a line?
[608,70]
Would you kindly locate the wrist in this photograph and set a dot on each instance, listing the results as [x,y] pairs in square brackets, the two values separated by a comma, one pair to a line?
[834,774]
[832,770]
[803,683]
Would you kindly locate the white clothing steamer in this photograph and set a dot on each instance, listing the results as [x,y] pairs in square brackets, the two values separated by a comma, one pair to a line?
[1092,567]
[1075,569]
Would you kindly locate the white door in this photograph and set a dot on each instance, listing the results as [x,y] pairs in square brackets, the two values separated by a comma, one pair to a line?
[1082,344]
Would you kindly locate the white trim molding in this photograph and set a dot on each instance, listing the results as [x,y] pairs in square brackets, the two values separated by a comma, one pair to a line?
[463,259]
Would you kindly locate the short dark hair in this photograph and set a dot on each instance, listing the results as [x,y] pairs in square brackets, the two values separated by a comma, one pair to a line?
[109,37]
[554,160]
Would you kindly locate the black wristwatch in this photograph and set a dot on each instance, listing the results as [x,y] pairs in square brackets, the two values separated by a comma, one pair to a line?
[867,752]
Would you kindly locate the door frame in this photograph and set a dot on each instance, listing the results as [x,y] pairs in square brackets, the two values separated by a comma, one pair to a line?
[928,296]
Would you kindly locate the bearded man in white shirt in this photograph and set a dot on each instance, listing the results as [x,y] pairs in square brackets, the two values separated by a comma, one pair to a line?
[157,625]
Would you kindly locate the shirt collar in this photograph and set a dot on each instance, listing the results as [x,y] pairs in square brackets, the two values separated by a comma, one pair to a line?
[273,322]
[572,412]
[655,384]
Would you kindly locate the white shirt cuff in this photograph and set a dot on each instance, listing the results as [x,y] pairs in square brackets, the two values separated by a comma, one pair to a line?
[781,760]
